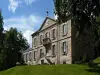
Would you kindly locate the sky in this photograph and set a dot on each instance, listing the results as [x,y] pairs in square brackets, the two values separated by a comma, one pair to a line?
[26,15]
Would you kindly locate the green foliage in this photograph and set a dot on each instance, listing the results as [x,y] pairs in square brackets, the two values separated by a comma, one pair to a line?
[15,40]
[1,31]
[85,14]
[82,12]
[97,60]
[14,43]
[1,23]
[61,9]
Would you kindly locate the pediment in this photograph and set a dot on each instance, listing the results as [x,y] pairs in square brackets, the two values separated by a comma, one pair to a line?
[47,23]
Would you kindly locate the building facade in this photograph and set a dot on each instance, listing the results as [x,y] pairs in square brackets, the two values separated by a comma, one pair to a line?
[56,43]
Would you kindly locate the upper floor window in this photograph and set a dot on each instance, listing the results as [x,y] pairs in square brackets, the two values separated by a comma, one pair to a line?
[41,53]
[41,38]
[53,50]
[34,41]
[53,33]
[65,29]
[65,48]
[47,35]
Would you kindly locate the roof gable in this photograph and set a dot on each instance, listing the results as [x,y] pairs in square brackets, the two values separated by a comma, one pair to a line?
[47,22]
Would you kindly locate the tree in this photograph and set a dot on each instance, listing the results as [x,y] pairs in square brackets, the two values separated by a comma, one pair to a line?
[1,22]
[1,31]
[15,43]
[84,14]
[1,40]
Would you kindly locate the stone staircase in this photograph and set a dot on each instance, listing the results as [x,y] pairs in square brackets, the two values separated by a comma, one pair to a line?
[49,60]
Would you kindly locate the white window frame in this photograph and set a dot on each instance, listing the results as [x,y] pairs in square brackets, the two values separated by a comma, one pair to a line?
[65,47]
[65,28]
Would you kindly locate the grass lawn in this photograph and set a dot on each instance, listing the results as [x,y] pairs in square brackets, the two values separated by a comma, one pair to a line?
[52,70]
[97,60]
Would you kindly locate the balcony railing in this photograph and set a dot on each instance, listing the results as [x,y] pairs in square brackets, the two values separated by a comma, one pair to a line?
[46,41]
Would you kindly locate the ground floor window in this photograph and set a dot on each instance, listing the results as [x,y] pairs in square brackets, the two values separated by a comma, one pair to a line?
[65,48]
[34,55]
[41,53]
[30,56]
[53,50]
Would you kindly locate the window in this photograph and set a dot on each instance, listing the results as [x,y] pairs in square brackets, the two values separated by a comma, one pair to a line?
[65,29]
[64,62]
[42,61]
[41,53]
[53,34]
[53,50]
[34,55]
[47,35]
[26,58]
[30,56]
[41,38]
[34,41]
[65,48]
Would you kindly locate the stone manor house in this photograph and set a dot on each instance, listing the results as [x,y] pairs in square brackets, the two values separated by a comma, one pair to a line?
[55,43]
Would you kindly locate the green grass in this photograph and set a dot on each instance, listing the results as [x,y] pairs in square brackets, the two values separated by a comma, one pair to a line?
[97,60]
[51,70]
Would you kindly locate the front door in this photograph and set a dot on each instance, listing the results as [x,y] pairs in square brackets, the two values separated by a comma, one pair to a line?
[42,61]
